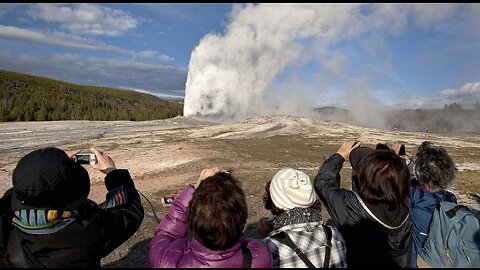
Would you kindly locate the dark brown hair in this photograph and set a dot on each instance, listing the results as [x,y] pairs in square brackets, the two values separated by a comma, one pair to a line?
[217,212]
[384,177]
[269,205]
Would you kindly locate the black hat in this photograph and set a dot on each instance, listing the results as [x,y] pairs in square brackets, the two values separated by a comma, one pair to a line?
[357,154]
[48,178]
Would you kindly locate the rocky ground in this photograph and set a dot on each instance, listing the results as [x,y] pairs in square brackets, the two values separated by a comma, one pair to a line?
[164,155]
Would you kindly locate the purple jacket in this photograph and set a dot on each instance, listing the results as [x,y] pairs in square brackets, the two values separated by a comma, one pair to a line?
[169,248]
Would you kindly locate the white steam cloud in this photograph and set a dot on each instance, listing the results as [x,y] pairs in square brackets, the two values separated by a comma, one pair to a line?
[233,76]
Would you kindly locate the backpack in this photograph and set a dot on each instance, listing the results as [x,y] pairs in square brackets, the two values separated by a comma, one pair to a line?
[453,239]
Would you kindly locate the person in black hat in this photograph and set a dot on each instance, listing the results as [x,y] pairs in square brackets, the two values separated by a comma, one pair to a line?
[374,218]
[47,219]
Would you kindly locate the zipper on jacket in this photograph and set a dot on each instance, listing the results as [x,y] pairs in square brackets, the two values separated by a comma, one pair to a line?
[466,256]
[448,255]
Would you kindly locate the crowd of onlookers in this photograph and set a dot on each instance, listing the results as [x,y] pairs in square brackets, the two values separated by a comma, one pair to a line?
[383,220]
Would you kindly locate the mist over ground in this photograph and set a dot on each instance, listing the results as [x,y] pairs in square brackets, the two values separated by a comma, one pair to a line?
[451,119]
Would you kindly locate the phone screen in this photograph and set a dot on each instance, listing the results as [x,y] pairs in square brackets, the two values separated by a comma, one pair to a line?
[82,158]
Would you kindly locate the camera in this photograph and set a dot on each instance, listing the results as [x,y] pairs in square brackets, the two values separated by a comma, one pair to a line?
[402,150]
[85,158]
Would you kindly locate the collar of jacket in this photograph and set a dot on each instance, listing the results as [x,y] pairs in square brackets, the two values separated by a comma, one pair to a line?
[214,255]
[42,221]
[297,215]
[422,198]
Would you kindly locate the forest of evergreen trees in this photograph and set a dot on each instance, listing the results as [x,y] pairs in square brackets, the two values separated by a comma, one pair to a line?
[29,98]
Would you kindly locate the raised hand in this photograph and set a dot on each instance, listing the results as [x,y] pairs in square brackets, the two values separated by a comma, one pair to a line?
[206,173]
[104,163]
[396,147]
[347,147]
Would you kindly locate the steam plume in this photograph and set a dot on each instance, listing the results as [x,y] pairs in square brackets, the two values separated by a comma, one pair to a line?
[233,76]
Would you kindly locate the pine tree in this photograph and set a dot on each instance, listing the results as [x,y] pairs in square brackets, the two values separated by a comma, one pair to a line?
[42,114]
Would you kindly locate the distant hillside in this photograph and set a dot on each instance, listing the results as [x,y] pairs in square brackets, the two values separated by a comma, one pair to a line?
[453,118]
[30,98]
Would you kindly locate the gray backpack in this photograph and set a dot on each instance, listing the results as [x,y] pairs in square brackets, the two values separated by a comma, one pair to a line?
[453,239]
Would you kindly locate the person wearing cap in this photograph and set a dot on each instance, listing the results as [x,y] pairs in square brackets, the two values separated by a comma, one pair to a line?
[296,210]
[48,220]
[374,220]
[214,211]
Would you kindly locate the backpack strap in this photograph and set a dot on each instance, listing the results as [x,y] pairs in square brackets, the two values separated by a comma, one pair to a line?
[247,256]
[328,248]
[451,213]
[283,238]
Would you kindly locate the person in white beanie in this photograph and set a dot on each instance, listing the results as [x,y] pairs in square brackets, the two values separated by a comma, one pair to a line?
[295,233]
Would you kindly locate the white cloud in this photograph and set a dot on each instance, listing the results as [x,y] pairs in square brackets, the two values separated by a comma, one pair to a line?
[467,95]
[469,92]
[85,19]
[426,14]
[71,41]
[154,55]
[52,38]
[155,78]
[85,24]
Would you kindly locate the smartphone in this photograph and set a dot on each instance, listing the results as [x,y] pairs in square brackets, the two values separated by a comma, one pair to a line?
[85,158]
[402,152]
[168,199]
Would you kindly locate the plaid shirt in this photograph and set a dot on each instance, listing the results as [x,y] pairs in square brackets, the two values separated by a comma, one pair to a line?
[311,239]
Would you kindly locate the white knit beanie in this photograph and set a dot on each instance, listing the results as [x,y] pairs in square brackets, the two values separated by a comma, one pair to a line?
[292,188]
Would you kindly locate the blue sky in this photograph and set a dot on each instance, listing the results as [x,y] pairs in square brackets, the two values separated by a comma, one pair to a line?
[417,56]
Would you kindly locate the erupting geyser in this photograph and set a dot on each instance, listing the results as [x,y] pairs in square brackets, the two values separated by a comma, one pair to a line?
[236,74]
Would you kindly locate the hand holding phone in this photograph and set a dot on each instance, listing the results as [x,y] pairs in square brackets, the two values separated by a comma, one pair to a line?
[104,163]
[347,147]
[399,149]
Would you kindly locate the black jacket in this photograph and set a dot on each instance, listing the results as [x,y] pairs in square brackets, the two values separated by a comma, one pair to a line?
[95,233]
[369,244]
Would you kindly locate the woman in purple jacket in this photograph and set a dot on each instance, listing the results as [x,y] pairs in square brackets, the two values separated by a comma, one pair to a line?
[215,211]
